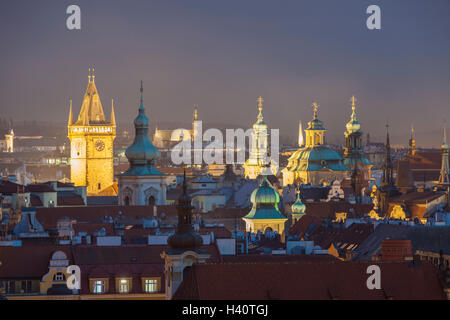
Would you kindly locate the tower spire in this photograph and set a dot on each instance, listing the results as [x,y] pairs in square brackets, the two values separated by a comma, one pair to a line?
[353,100]
[387,166]
[70,114]
[113,116]
[260,101]
[300,134]
[412,143]
[444,177]
[142,95]
[195,117]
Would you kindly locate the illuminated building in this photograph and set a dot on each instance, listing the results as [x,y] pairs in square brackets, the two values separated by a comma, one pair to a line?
[7,145]
[265,215]
[354,157]
[259,152]
[92,139]
[315,163]
[142,184]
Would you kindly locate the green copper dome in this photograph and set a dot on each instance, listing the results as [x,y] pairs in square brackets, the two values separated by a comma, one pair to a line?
[265,201]
[142,153]
[265,195]
[298,206]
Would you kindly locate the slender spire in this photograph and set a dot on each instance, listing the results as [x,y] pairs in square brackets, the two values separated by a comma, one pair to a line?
[113,116]
[300,134]
[444,177]
[387,166]
[70,114]
[412,142]
[142,96]
[353,100]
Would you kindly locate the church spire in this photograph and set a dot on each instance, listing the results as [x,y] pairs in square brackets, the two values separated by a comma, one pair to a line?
[387,166]
[412,143]
[113,116]
[184,237]
[444,177]
[260,101]
[300,134]
[91,109]
[70,114]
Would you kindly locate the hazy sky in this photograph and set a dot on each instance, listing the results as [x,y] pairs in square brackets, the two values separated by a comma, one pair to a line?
[222,54]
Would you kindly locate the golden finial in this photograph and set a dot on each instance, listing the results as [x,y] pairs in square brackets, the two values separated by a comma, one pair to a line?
[353,100]
[260,101]
[93,74]
[89,76]
[316,108]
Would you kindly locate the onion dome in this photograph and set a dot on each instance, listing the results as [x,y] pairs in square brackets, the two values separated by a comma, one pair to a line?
[265,201]
[298,206]
[315,123]
[142,153]
[265,195]
[353,125]
[184,237]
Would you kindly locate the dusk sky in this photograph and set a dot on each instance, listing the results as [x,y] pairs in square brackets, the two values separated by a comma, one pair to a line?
[222,55]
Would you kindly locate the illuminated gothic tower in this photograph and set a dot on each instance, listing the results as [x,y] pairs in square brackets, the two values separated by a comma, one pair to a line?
[92,139]
[259,152]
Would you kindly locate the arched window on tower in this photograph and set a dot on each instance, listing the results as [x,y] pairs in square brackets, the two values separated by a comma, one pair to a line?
[126,200]
[151,201]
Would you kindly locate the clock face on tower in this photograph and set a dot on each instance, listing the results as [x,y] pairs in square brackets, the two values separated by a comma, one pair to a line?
[99,145]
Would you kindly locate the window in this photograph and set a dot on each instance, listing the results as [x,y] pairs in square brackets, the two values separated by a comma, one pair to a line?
[99,286]
[59,277]
[151,285]
[124,286]
[99,186]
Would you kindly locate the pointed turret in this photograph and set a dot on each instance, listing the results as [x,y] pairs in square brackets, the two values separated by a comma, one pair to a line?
[113,116]
[91,109]
[387,165]
[444,177]
[412,143]
[300,134]
[70,114]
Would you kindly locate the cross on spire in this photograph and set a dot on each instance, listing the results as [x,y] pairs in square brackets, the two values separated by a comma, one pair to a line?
[315,108]
[260,101]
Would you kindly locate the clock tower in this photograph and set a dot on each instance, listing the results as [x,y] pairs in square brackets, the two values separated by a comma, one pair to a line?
[92,138]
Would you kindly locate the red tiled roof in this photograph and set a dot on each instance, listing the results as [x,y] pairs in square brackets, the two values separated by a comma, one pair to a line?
[308,280]
[49,216]
[70,201]
[301,226]
[329,209]
[30,261]
[39,188]
[35,202]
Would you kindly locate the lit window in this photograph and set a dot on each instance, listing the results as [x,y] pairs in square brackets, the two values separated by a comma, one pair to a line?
[99,286]
[124,286]
[59,277]
[151,285]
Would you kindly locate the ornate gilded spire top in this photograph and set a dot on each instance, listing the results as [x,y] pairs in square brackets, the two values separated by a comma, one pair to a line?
[260,101]
[353,100]
[315,108]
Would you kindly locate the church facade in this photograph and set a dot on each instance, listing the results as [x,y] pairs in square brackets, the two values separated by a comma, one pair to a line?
[91,144]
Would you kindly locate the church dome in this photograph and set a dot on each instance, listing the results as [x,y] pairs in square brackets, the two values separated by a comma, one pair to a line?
[353,125]
[298,206]
[265,195]
[142,153]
